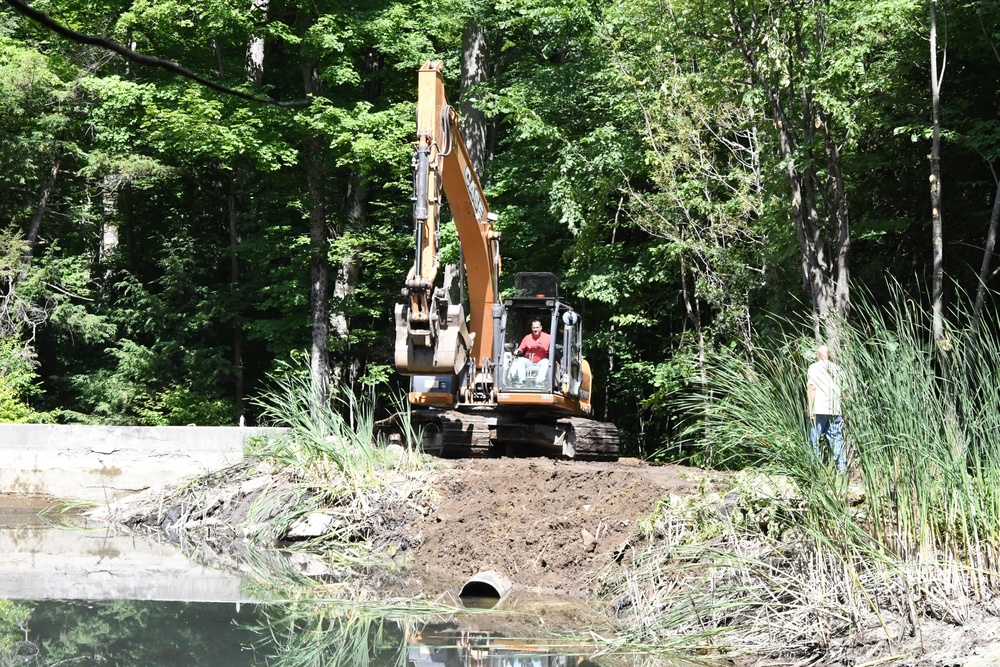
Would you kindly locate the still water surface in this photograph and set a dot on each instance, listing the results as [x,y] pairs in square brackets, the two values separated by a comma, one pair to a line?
[86,595]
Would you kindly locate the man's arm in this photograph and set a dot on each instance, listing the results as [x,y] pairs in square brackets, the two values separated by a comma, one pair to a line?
[810,398]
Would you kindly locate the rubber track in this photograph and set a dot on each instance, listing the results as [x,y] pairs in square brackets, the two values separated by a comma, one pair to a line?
[595,441]
[457,434]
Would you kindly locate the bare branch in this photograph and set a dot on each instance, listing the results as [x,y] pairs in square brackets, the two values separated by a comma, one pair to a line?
[81,38]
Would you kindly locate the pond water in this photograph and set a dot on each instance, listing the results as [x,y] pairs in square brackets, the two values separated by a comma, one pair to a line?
[73,593]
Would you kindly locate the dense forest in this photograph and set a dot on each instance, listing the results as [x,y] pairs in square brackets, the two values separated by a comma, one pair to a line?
[196,193]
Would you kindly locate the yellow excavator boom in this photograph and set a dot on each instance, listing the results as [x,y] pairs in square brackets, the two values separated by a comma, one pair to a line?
[432,333]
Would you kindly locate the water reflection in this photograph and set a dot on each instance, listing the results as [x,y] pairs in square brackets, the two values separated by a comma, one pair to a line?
[128,632]
[78,596]
[159,633]
[442,646]
[43,563]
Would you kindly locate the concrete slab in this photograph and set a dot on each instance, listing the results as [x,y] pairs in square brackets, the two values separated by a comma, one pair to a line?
[100,464]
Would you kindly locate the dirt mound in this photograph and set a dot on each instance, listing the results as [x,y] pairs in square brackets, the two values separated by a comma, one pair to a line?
[547,525]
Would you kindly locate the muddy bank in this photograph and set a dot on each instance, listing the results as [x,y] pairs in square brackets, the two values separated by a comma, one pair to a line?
[549,526]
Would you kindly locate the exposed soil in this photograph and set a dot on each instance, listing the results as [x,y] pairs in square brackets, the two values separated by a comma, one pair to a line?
[547,525]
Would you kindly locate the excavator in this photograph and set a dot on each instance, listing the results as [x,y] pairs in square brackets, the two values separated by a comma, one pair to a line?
[471,394]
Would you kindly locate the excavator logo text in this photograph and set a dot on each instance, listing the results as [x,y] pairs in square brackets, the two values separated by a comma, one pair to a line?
[475,196]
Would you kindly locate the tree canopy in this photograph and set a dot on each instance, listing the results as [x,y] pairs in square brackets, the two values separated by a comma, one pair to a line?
[691,171]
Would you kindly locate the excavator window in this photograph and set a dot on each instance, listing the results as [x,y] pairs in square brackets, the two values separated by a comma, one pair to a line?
[516,374]
[536,298]
[536,284]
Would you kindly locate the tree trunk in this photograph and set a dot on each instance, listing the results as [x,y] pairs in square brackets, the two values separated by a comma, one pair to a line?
[991,235]
[475,128]
[108,233]
[128,226]
[131,45]
[345,371]
[36,220]
[815,265]
[255,45]
[984,270]
[937,241]
[611,374]
[840,234]
[319,272]
[319,246]
[372,87]
[234,282]
[693,311]
[219,62]
[825,274]
[237,201]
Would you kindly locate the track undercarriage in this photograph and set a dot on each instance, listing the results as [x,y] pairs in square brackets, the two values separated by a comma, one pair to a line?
[483,432]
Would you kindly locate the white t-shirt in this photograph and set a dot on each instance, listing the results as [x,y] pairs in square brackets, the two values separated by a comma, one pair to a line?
[825,376]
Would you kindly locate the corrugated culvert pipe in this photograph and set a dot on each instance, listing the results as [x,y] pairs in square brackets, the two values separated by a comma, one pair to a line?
[485,589]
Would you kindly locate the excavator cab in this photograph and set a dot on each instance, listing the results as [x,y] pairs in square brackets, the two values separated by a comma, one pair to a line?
[536,297]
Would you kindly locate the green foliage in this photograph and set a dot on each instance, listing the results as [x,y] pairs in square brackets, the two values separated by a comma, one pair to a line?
[340,433]
[156,386]
[18,383]
[13,620]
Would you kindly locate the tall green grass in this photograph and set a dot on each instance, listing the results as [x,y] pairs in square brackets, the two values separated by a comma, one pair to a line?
[332,467]
[922,430]
[339,433]
[911,531]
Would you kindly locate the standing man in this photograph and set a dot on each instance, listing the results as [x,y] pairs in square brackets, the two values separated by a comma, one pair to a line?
[825,414]
[533,350]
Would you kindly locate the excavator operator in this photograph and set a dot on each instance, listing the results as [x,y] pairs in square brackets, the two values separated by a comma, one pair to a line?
[533,354]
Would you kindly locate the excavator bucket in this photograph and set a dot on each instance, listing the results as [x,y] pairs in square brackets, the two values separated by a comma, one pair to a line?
[438,346]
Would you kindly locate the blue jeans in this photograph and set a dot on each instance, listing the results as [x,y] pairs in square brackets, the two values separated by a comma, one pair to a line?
[830,426]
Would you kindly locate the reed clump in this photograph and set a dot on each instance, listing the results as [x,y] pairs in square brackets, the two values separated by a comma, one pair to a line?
[342,486]
[330,431]
[799,560]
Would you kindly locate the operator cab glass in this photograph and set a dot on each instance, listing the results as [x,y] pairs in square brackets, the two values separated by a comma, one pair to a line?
[537,298]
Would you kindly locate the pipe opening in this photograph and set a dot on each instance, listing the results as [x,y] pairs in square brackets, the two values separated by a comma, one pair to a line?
[484,590]
[479,589]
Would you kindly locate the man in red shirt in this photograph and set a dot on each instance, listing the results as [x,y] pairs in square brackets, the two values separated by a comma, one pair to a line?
[534,353]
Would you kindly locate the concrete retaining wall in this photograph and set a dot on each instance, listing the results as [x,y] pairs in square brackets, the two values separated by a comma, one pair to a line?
[104,463]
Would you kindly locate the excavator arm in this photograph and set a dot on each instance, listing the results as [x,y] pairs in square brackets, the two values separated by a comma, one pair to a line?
[434,335]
